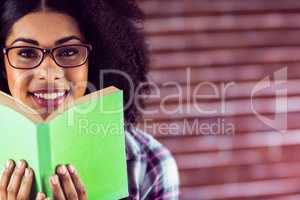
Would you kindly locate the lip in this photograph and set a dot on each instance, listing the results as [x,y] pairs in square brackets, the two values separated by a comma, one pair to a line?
[47,103]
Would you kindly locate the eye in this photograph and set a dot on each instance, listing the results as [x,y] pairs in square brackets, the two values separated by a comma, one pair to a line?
[67,52]
[28,53]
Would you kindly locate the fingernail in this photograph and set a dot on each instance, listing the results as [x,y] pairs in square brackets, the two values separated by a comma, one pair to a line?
[41,195]
[54,180]
[21,164]
[8,164]
[27,172]
[72,169]
[62,170]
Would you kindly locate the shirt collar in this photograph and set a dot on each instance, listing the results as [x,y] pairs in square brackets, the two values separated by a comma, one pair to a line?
[132,148]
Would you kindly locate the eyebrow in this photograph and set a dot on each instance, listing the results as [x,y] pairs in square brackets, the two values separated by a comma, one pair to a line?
[58,42]
[27,40]
[66,39]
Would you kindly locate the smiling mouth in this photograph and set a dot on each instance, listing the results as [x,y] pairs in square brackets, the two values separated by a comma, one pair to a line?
[49,99]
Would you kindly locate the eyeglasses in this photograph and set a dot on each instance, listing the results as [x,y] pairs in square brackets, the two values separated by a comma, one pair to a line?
[28,57]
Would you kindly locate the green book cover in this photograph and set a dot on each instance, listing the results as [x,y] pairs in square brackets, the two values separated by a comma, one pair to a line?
[89,134]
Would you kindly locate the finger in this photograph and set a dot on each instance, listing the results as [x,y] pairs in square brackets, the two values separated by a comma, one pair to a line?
[25,189]
[5,177]
[57,191]
[67,183]
[79,186]
[40,196]
[15,180]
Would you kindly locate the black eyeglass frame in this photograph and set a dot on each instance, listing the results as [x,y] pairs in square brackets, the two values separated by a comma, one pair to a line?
[46,52]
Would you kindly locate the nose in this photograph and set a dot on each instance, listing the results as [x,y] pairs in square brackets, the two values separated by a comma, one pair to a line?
[49,71]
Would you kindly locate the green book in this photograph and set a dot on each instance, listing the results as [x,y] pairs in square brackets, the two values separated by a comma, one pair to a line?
[89,134]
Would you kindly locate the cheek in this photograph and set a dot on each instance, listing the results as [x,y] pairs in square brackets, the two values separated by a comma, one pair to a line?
[18,81]
[78,79]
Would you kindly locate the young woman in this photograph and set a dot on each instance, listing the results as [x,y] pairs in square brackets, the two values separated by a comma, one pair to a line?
[54,51]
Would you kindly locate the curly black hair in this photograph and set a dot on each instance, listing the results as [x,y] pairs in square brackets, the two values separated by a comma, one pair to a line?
[111,27]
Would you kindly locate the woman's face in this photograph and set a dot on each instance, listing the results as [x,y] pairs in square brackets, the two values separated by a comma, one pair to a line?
[47,86]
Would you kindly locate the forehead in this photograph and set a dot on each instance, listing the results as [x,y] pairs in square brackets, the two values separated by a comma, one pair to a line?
[45,27]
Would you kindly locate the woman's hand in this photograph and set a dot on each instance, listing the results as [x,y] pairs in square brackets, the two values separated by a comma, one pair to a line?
[16,181]
[66,184]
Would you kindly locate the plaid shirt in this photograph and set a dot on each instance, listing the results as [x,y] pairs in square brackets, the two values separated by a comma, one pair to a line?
[152,171]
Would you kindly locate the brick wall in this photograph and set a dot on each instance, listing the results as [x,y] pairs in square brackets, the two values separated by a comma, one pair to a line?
[226,97]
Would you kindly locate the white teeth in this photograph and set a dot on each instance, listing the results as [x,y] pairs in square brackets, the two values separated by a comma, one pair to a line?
[49,96]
